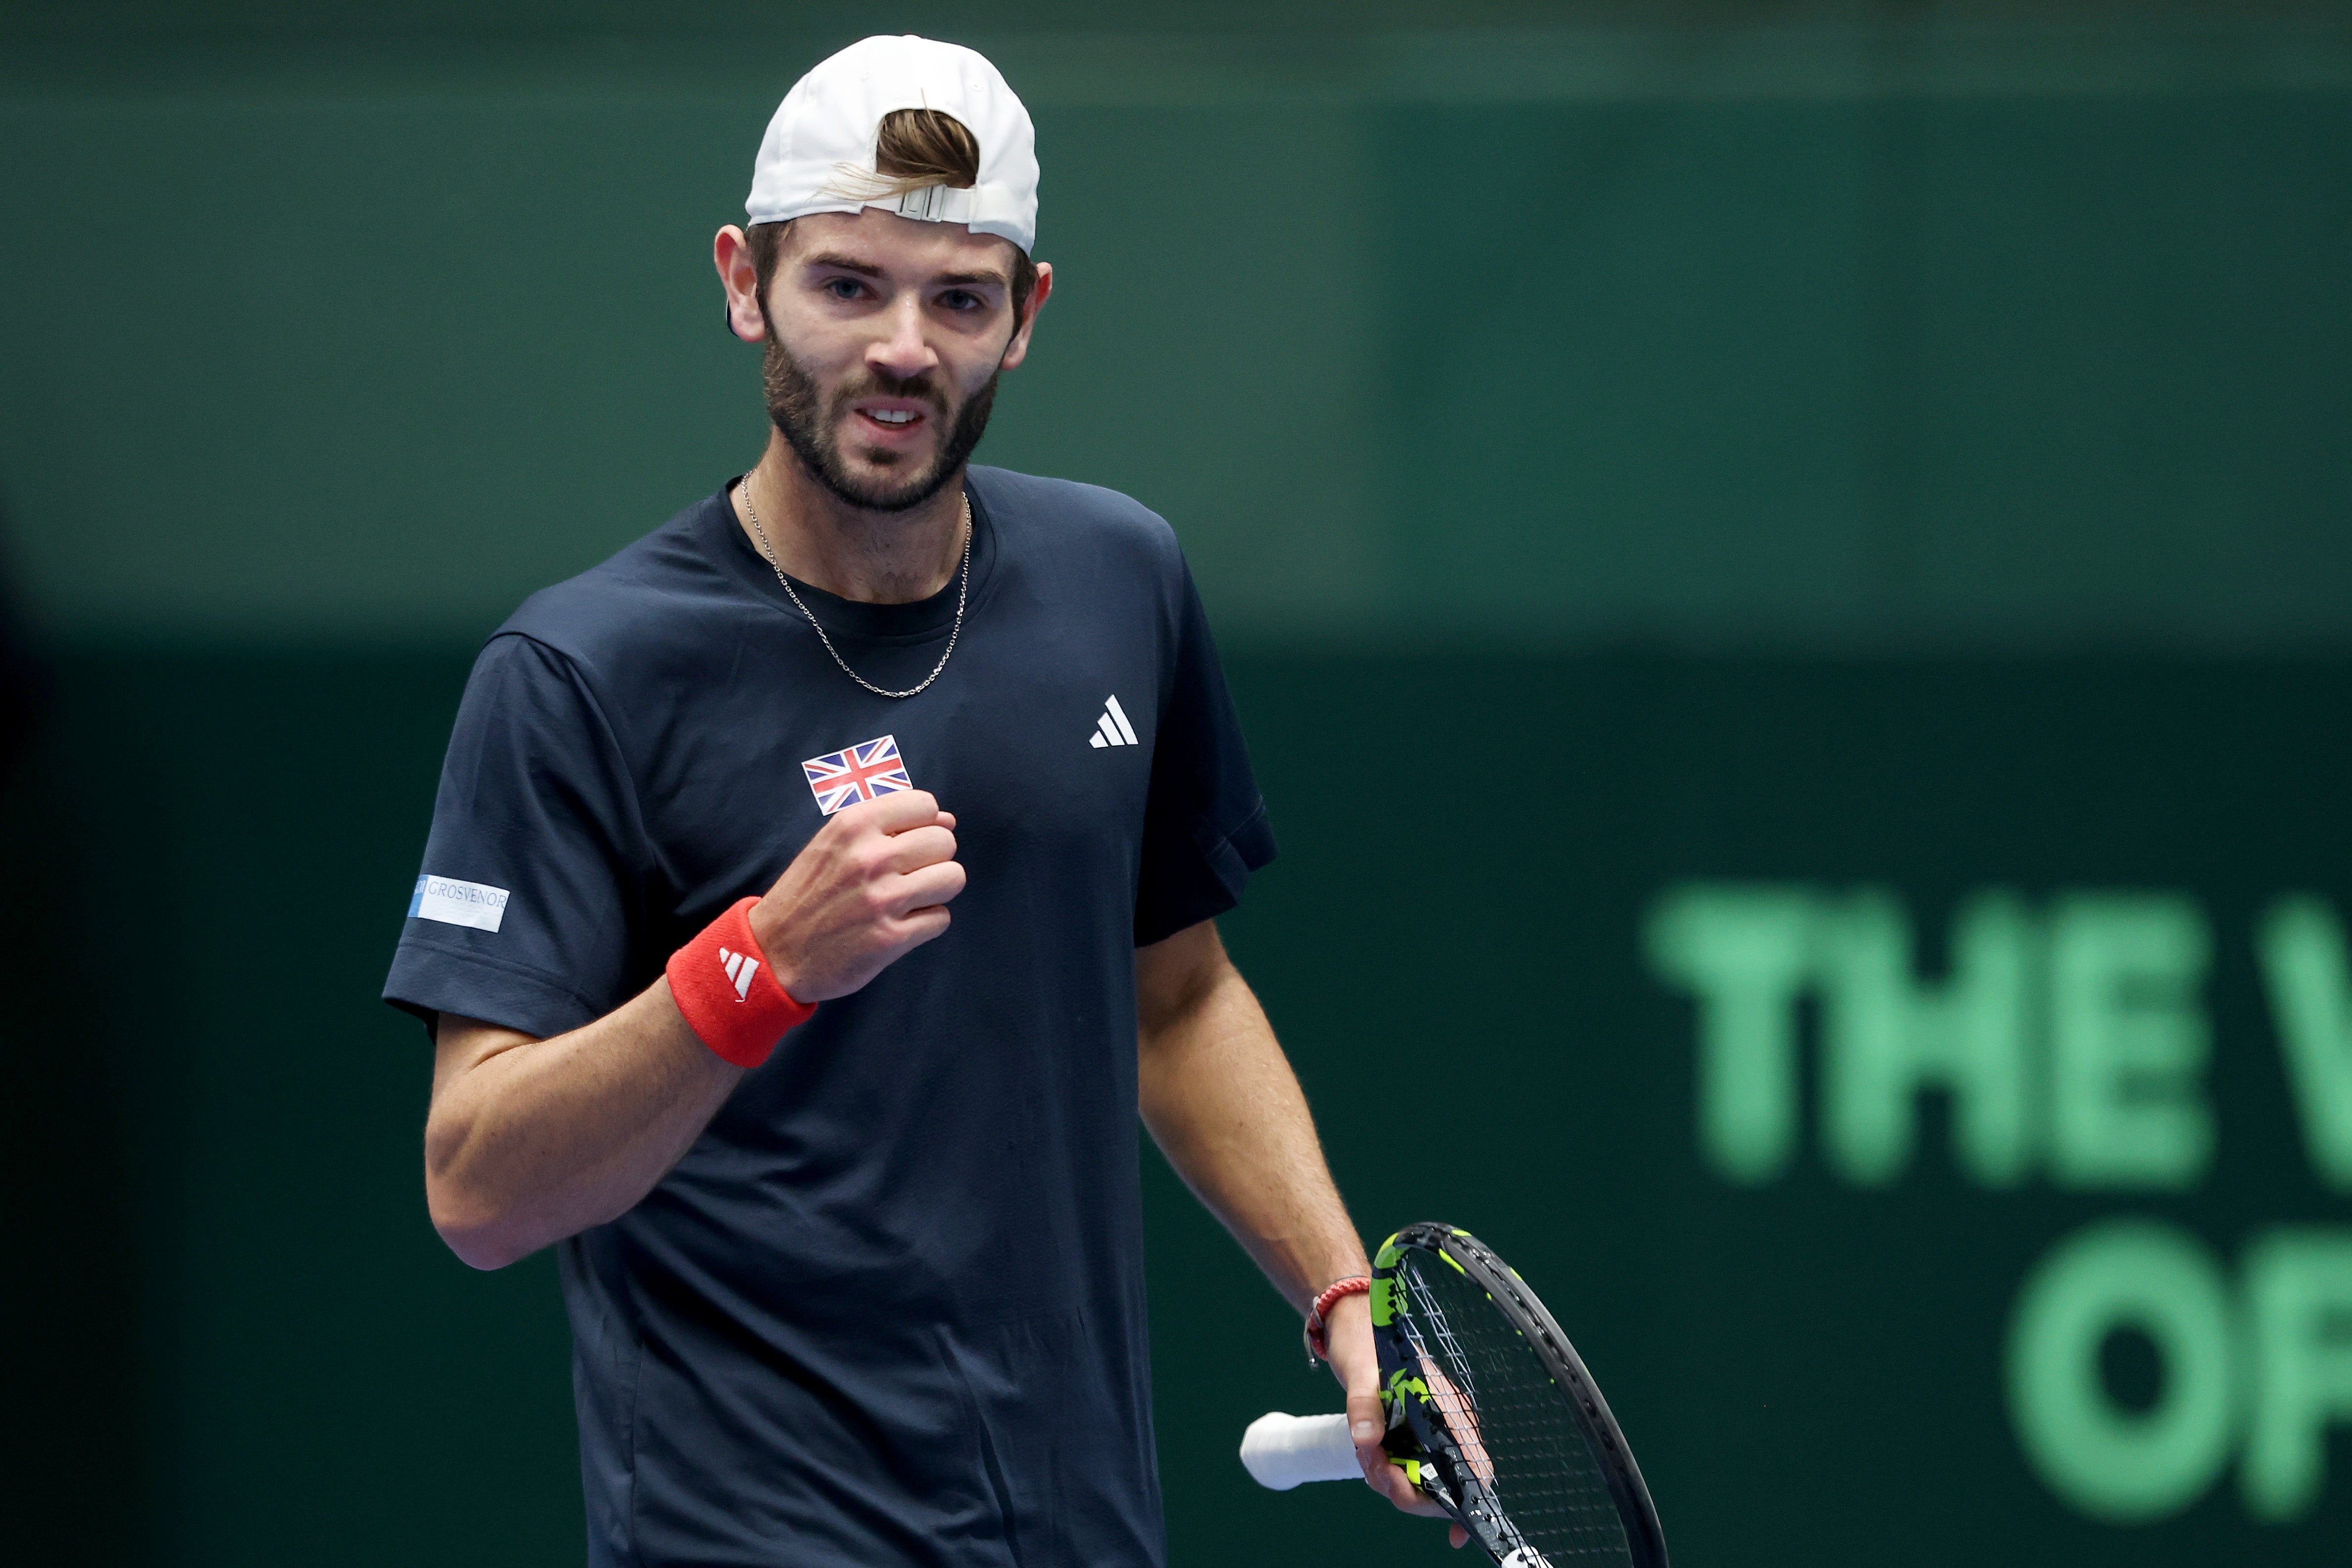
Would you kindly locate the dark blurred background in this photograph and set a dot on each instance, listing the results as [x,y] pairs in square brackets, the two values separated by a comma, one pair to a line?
[1678,486]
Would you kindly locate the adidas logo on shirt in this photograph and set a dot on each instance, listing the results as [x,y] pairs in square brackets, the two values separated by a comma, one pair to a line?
[1112,729]
[740,969]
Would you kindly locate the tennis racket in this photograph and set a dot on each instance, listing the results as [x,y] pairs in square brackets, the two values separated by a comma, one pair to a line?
[1491,1414]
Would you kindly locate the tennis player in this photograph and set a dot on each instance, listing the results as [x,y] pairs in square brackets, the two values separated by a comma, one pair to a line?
[815,892]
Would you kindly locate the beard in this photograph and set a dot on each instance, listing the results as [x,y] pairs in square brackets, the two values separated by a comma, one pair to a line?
[807,418]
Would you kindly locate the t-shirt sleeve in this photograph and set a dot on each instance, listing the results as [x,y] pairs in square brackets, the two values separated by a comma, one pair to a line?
[1204,828]
[525,907]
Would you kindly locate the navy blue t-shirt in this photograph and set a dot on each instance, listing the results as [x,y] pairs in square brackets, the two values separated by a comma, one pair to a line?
[889,1309]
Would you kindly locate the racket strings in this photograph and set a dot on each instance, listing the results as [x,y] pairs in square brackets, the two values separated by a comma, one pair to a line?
[1509,1419]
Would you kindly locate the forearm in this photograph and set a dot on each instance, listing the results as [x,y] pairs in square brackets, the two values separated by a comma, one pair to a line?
[1224,1106]
[531,1140]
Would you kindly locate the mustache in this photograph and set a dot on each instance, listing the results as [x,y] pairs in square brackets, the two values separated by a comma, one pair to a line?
[805,414]
[882,383]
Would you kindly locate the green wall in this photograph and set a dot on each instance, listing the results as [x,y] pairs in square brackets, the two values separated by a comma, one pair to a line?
[1807,336]
[1816,467]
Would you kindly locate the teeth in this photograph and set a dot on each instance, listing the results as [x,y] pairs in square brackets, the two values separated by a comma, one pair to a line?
[892,415]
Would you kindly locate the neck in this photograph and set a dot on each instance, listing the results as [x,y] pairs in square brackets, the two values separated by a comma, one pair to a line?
[877,557]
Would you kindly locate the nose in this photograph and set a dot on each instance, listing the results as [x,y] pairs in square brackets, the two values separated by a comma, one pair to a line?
[903,352]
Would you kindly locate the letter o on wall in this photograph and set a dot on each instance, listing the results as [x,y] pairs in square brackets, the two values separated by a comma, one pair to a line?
[2112,1462]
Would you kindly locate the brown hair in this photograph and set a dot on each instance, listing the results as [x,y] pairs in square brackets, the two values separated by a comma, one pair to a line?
[915,147]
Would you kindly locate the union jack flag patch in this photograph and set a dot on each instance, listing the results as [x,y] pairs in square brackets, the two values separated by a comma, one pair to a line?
[857,772]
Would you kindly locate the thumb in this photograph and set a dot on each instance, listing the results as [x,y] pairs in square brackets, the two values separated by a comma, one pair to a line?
[1366,1422]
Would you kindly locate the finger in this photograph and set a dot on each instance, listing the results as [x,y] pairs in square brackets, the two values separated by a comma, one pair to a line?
[1407,1496]
[1366,1420]
[917,848]
[1457,1537]
[1366,1423]
[947,820]
[922,888]
[916,928]
[893,813]
[1387,1478]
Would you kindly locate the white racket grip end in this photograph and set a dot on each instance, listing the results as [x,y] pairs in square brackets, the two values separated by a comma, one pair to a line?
[1281,1451]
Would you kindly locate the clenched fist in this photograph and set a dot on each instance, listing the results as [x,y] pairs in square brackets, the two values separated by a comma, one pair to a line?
[872,885]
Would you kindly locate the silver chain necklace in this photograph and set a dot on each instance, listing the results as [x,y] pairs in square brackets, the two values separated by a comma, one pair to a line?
[963,584]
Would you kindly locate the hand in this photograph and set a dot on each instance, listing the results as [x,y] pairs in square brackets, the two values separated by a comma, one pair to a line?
[872,885]
[1357,1364]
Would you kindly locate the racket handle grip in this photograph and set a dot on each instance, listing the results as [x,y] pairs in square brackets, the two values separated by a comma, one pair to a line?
[1281,1451]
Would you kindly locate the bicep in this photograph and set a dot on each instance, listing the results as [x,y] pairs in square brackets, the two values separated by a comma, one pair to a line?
[1175,974]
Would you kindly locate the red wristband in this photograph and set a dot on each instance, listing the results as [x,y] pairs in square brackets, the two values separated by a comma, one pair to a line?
[731,999]
[1316,1350]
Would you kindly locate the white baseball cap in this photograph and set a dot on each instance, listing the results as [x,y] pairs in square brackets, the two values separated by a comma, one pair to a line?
[818,153]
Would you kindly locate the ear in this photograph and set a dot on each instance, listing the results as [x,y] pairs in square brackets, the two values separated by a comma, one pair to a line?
[731,254]
[1018,349]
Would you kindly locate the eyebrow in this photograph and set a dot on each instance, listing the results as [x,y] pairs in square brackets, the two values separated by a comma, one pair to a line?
[834,258]
[846,264]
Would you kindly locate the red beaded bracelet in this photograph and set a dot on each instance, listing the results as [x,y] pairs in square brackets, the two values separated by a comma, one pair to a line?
[1316,1350]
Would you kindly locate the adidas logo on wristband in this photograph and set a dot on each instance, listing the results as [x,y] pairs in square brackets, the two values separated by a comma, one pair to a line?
[737,1007]
[740,967]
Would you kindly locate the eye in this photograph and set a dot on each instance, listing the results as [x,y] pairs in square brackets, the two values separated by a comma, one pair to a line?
[963,299]
[844,288]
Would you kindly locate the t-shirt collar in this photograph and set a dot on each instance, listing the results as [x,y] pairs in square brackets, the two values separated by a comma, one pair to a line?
[913,622]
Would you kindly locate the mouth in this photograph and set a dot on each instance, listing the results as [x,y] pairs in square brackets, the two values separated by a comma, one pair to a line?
[891,420]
